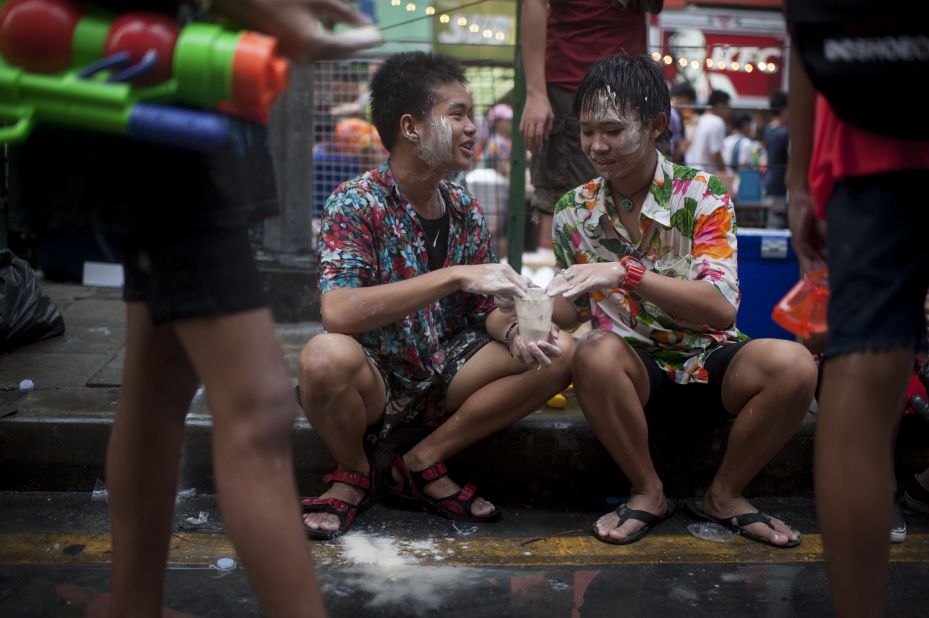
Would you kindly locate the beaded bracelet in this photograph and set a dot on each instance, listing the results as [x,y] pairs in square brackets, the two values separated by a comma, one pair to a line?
[506,334]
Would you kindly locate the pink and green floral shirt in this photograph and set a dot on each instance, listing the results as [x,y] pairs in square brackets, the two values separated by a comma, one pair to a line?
[689,223]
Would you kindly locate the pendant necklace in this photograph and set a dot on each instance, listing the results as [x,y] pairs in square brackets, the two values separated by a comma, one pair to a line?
[627,203]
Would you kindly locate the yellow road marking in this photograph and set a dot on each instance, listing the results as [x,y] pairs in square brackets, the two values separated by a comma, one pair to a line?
[195,550]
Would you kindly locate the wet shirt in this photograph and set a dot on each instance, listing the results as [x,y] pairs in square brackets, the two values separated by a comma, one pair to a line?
[688,224]
[370,236]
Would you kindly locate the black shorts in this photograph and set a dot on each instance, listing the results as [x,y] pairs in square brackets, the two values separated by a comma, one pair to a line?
[878,263]
[667,398]
[204,272]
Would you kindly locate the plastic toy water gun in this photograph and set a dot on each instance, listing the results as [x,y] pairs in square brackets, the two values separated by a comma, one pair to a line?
[67,65]
[803,310]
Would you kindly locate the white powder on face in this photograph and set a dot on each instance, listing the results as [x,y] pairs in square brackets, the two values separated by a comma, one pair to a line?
[605,110]
[435,147]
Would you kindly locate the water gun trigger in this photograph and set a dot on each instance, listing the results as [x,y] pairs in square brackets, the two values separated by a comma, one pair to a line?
[146,65]
[117,60]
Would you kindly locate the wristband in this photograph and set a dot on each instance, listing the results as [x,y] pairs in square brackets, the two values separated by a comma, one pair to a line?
[634,272]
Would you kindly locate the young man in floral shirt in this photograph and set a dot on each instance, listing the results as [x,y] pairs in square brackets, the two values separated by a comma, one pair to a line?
[407,276]
[649,253]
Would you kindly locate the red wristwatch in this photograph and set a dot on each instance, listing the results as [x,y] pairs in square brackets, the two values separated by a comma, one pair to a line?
[634,272]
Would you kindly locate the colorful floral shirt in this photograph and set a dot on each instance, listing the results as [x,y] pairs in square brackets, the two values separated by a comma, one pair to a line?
[689,223]
[370,236]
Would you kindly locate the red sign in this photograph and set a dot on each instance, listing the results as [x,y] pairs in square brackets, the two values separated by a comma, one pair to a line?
[748,67]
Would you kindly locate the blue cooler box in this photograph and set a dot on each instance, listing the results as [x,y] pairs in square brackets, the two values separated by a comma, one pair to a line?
[768,268]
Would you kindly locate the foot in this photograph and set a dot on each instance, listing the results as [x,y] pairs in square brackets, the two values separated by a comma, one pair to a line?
[606,525]
[442,487]
[718,508]
[329,522]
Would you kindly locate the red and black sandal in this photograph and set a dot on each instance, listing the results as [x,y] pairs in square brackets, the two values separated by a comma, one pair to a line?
[410,492]
[345,511]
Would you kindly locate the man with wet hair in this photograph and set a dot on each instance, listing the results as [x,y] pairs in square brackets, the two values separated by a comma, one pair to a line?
[406,276]
[648,252]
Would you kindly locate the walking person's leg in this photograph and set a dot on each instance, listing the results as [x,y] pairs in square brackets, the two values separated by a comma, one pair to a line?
[860,400]
[242,367]
[143,459]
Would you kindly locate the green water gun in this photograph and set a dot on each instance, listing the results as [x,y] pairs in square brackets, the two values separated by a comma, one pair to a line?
[63,64]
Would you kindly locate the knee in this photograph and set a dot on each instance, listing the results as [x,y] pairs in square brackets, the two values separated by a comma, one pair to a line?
[792,368]
[600,355]
[255,415]
[327,363]
[562,365]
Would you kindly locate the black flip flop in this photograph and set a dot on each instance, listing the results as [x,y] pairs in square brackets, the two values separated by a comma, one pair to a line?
[625,514]
[736,524]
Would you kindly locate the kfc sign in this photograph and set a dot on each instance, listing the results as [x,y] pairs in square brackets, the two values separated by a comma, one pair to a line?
[748,67]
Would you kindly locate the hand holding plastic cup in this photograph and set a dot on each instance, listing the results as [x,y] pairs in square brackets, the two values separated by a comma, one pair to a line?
[534,314]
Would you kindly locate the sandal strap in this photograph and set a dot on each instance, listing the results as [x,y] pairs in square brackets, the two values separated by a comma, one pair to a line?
[355,479]
[746,519]
[433,472]
[418,479]
[625,514]
[330,505]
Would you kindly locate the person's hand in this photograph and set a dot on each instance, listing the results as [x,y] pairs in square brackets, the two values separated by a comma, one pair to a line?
[506,305]
[538,353]
[296,25]
[491,280]
[807,232]
[579,279]
[536,122]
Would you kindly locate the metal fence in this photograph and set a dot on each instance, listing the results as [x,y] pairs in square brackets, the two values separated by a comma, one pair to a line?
[346,144]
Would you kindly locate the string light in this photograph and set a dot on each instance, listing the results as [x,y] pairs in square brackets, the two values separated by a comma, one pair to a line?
[668,59]
[394,2]
[487,33]
[474,28]
[682,62]
[430,10]
[749,68]
[735,66]
[656,56]
[709,63]
[443,18]
[410,7]
[500,36]
[462,21]
[694,64]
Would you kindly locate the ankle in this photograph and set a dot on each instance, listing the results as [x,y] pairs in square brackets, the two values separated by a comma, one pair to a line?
[360,467]
[416,462]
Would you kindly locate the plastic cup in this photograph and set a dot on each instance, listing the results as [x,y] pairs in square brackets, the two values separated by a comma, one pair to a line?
[534,315]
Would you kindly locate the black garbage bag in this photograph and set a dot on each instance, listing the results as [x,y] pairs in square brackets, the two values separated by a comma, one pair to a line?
[26,314]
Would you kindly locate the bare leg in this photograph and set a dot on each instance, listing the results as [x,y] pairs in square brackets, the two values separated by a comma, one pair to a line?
[545,230]
[768,387]
[862,395]
[490,392]
[612,387]
[342,393]
[142,461]
[242,367]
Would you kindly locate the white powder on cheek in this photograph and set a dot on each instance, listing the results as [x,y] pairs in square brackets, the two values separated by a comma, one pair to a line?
[605,109]
[436,145]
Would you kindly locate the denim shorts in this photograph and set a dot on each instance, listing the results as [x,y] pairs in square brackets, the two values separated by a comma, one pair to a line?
[878,242]
[192,273]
